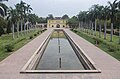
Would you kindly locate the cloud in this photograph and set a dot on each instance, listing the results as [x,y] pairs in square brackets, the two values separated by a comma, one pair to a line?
[59,7]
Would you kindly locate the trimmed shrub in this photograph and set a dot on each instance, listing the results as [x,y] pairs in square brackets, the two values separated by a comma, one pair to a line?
[43,30]
[31,37]
[9,47]
[35,34]
[38,32]
[75,30]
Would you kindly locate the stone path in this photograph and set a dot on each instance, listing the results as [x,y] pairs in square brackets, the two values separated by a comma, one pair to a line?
[11,66]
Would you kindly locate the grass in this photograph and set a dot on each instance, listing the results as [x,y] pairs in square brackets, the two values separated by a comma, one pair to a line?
[112,48]
[17,42]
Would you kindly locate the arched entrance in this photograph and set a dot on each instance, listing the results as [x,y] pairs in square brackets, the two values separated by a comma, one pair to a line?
[58,26]
[52,25]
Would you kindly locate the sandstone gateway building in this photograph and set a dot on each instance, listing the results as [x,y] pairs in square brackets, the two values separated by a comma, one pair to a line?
[57,22]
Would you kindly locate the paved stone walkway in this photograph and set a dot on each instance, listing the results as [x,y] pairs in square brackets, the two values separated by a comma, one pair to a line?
[110,67]
[11,66]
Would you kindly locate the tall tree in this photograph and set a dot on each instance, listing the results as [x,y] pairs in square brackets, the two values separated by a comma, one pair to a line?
[2,25]
[42,20]
[22,10]
[13,17]
[119,24]
[3,9]
[65,16]
[50,16]
[95,13]
[105,18]
[82,17]
[18,11]
[73,22]
[100,17]
[9,25]
[28,9]
[113,11]
[92,20]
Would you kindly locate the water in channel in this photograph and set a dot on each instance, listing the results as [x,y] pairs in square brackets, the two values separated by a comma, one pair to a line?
[59,55]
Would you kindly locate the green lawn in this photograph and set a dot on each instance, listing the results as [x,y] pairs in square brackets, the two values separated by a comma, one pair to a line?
[17,42]
[112,48]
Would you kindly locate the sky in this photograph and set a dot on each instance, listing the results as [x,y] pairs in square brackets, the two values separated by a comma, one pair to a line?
[59,7]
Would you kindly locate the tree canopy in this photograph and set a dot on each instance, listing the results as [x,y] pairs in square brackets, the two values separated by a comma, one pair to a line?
[65,16]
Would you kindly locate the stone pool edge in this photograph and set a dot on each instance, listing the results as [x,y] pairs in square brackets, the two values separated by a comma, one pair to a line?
[25,70]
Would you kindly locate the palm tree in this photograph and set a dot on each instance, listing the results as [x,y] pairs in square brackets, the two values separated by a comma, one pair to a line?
[3,9]
[13,17]
[82,17]
[119,24]
[101,19]
[80,20]
[21,9]
[99,10]
[95,14]
[113,11]
[28,9]
[87,21]
[92,20]
[105,17]
[18,9]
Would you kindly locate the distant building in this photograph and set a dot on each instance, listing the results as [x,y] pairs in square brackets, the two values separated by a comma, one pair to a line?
[41,25]
[57,22]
